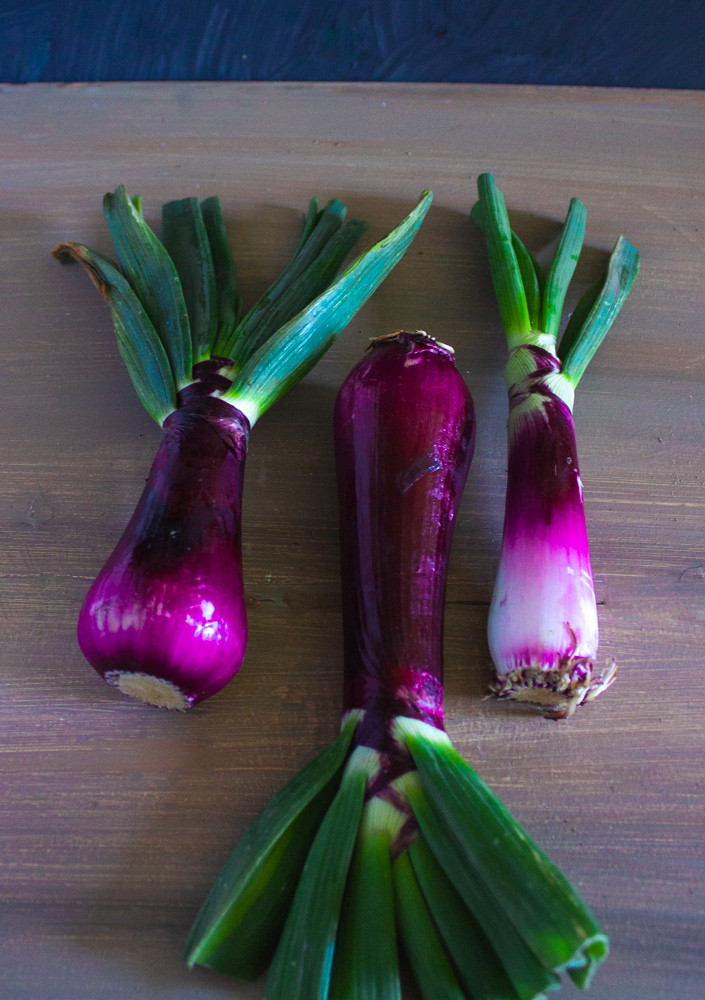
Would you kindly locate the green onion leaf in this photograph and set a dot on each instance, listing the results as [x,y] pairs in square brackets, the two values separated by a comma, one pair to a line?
[504,266]
[531,272]
[306,286]
[366,965]
[294,349]
[229,302]
[282,301]
[303,960]
[240,923]
[597,310]
[579,315]
[533,894]
[528,975]
[138,342]
[562,267]
[151,272]
[422,944]
[185,240]
[475,961]
[310,220]
[533,279]
[323,224]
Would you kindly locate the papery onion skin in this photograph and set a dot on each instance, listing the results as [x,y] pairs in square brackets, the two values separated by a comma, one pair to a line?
[165,619]
[404,438]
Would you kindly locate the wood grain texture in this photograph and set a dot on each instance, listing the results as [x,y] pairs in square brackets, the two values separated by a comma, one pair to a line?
[115,818]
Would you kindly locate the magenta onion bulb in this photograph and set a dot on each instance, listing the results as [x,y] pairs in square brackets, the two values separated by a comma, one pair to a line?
[165,619]
[543,632]
[543,628]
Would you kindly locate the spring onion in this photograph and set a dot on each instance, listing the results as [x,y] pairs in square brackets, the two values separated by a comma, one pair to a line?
[389,837]
[543,630]
[165,619]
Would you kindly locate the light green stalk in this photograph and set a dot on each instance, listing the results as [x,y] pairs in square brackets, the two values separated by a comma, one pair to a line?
[531,305]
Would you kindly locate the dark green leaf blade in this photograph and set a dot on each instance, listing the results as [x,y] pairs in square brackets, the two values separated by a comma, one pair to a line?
[475,961]
[581,312]
[245,940]
[477,215]
[531,273]
[504,266]
[422,944]
[365,965]
[229,301]
[584,336]
[153,277]
[139,345]
[310,220]
[306,287]
[294,349]
[240,922]
[562,267]
[541,903]
[303,960]
[527,973]
[186,241]
[256,326]
[531,276]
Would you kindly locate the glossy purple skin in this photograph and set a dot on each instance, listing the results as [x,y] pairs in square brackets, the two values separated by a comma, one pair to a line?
[404,438]
[169,602]
[543,614]
[543,479]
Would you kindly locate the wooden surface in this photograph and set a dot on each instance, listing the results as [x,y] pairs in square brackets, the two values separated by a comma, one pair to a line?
[114,817]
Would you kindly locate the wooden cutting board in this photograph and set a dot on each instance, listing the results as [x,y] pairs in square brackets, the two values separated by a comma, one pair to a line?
[115,818]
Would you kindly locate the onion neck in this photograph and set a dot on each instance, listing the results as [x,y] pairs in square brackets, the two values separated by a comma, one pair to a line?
[196,400]
[533,370]
[203,397]
[384,695]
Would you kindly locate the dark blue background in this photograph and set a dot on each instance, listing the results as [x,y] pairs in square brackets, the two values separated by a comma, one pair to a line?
[631,43]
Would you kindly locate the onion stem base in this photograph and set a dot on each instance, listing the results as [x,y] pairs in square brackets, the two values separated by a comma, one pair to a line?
[152,690]
[556,692]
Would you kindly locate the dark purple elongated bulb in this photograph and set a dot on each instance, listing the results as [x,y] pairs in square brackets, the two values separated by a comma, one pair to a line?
[165,619]
[389,835]
[404,438]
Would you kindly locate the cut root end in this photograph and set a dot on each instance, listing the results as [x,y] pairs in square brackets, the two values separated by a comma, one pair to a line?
[152,690]
[558,692]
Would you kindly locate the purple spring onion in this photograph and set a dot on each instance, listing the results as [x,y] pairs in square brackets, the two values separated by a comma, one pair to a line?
[543,630]
[389,836]
[165,619]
